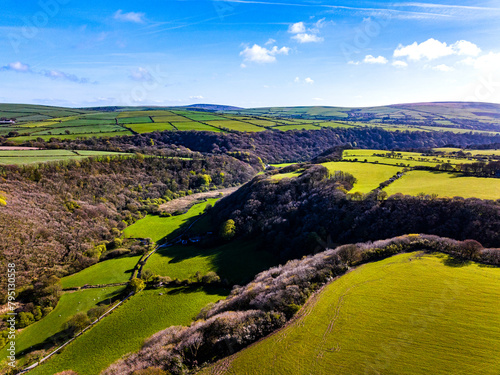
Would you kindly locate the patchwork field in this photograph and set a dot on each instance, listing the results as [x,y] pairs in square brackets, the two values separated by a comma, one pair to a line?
[408,314]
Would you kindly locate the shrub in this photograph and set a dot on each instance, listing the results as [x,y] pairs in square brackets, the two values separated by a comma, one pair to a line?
[77,323]
[136,285]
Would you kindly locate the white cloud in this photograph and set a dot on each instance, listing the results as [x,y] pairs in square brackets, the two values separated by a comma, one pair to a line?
[464,47]
[263,55]
[433,49]
[57,74]
[271,41]
[487,63]
[196,97]
[297,28]
[400,64]
[318,99]
[353,62]
[443,68]
[307,38]
[306,35]
[369,59]
[296,80]
[17,67]
[243,66]
[140,74]
[130,16]
[309,80]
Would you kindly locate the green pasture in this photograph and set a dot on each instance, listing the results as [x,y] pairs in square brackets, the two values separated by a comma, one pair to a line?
[409,314]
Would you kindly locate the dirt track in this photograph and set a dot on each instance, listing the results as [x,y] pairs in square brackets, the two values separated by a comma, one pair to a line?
[181,204]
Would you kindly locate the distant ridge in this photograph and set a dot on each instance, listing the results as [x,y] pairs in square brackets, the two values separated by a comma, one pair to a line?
[212,107]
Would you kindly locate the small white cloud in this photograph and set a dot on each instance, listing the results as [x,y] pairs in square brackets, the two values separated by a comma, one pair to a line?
[297,28]
[243,66]
[130,16]
[443,68]
[296,80]
[369,59]
[271,41]
[140,74]
[353,62]
[263,55]
[318,99]
[400,64]
[17,67]
[433,49]
[307,38]
[309,81]
[196,97]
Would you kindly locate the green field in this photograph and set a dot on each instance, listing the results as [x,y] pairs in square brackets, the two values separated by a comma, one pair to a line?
[150,128]
[368,176]
[445,184]
[19,157]
[403,315]
[157,227]
[125,330]
[110,271]
[237,261]
[40,332]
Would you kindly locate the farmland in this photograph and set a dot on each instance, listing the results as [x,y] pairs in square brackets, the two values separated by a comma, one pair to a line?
[109,271]
[34,122]
[126,328]
[445,184]
[376,319]
[157,227]
[41,334]
[19,157]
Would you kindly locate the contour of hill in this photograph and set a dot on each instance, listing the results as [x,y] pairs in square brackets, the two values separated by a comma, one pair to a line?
[409,314]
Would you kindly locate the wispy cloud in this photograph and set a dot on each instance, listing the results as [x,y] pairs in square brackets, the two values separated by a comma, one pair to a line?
[135,17]
[304,34]
[16,67]
[54,74]
[141,74]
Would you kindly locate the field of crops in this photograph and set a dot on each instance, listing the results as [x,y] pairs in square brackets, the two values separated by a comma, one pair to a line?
[408,314]
[125,329]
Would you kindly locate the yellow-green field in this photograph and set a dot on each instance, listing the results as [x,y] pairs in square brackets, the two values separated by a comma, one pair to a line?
[408,314]
[445,185]
[369,176]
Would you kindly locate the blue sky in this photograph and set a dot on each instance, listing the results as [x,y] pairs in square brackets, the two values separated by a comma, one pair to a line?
[248,53]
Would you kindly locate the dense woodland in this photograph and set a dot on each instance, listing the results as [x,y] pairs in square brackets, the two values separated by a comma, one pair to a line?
[272,147]
[312,212]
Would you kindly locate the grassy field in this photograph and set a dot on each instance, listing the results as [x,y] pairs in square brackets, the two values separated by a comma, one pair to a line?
[110,271]
[156,227]
[236,261]
[125,329]
[368,176]
[445,185]
[69,304]
[19,157]
[403,315]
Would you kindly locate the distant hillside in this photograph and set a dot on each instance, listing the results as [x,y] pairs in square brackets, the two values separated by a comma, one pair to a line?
[465,115]
[212,107]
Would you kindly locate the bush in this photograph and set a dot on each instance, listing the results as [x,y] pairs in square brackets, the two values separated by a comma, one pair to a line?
[77,323]
[96,312]
[136,285]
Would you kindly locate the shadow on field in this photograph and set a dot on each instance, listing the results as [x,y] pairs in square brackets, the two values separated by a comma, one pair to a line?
[212,290]
[455,262]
